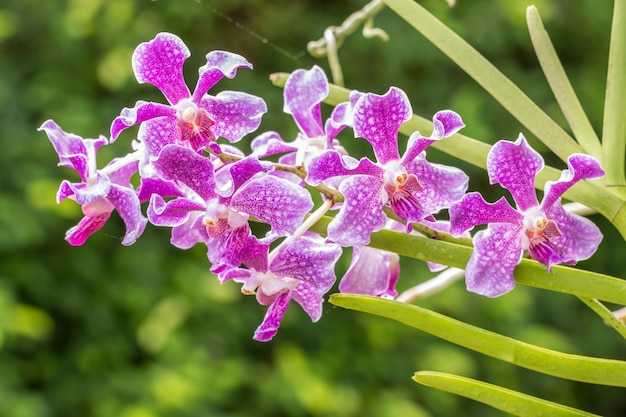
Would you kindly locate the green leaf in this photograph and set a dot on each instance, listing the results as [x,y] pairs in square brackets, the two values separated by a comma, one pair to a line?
[560,85]
[614,123]
[507,400]
[488,76]
[564,365]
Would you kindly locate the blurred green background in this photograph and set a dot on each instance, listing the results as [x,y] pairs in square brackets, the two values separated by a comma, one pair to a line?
[146,331]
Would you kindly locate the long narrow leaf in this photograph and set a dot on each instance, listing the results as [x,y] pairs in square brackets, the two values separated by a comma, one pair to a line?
[614,123]
[560,85]
[574,367]
[488,76]
[507,400]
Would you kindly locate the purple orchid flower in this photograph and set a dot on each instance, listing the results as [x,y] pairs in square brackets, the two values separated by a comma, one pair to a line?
[302,269]
[216,206]
[549,233]
[413,188]
[303,94]
[193,119]
[100,191]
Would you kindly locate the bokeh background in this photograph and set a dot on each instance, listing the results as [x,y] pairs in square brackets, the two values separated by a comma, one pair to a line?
[144,331]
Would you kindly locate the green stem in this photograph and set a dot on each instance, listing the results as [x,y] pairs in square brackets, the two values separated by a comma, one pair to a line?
[507,400]
[606,314]
[564,365]
[560,85]
[614,123]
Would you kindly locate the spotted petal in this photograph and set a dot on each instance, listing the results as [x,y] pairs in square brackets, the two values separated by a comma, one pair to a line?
[235,113]
[442,185]
[271,322]
[497,251]
[331,163]
[473,210]
[307,261]
[514,166]
[160,63]
[378,118]
[219,64]
[361,213]
[579,238]
[579,167]
[304,91]
[278,202]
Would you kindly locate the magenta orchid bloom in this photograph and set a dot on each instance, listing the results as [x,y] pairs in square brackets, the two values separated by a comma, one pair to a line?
[549,233]
[303,94]
[215,207]
[302,270]
[99,192]
[411,186]
[197,119]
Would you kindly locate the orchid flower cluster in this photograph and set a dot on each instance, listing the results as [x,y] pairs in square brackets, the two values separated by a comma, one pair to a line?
[208,191]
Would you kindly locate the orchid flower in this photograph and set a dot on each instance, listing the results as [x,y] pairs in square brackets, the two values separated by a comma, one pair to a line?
[302,269]
[411,186]
[216,207]
[194,120]
[304,92]
[549,233]
[99,192]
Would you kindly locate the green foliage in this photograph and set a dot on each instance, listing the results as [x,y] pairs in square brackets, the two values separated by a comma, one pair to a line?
[145,331]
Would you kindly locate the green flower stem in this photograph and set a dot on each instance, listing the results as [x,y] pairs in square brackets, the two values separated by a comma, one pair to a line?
[574,367]
[614,123]
[507,400]
[560,85]
[488,76]
[475,152]
[609,318]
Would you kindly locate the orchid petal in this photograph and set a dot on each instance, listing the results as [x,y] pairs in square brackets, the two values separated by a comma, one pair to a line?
[304,91]
[235,113]
[177,163]
[219,64]
[445,123]
[368,272]
[142,111]
[361,213]
[497,251]
[87,226]
[331,163]
[307,261]
[271,322]
[276,201]
[442,185]
[579,167]
[232,177]
[171,213]
[156,133]
[160,63]
[270,143]
[580,237]
[514,166]
[309,299]
[378,118]
[127,205]
[187,234]
[473,210]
